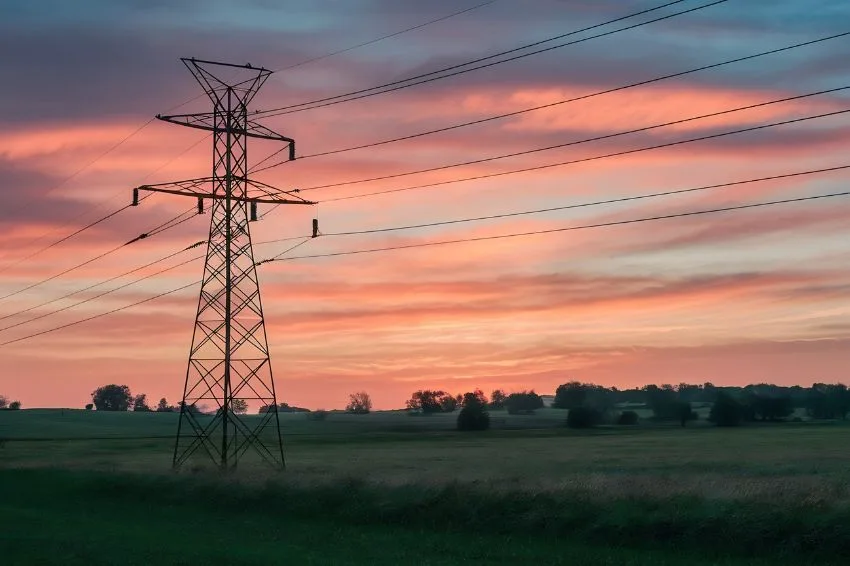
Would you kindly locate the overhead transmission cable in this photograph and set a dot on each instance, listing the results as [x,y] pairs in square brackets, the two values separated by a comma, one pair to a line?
[428,77]
[569,206]
[592,158]
[553,104]
[447,242]
[179,219]
[571,228]
[103,314]
[585,140]
[104,282]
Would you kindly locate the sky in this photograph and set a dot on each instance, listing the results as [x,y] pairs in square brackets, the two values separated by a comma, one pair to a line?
[755,295]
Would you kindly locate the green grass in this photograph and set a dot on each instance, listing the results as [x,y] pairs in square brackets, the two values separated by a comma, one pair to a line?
[389,488]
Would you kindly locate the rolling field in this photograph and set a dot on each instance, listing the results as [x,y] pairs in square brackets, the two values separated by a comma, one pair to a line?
[388,488]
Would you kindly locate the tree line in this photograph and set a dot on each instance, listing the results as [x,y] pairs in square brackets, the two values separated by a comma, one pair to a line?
[588,404]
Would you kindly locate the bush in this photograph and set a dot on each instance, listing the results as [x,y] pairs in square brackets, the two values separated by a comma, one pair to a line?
[15,406]
[583,417]
[359,403]
[726,411]
[473,415]
[89,406]
[627,418]
[525,402]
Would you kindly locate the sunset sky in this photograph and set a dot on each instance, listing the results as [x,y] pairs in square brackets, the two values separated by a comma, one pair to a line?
[732,298]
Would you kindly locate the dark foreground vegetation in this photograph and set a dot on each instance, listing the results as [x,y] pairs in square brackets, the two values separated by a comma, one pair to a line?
[52,517]
[385,488]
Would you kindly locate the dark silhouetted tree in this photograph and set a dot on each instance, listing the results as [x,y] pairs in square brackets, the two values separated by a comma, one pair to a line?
[164,407]
[726,411]
[15,406]
[426,401]
[583,417]
[112,398]
[140,403]
[4,402]
[570,395]
[359,403]
[524,402]
[448,403]
[497,399]
[239,406]
[89,406]
[473,415]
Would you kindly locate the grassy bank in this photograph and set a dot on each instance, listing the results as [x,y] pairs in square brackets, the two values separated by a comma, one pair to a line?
[53,516]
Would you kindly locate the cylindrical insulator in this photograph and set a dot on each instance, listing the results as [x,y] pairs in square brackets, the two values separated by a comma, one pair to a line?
[136,197]
[200,205]
[253,212]
[315,227]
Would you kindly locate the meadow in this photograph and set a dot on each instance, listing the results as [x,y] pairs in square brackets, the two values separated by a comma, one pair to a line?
[388,488]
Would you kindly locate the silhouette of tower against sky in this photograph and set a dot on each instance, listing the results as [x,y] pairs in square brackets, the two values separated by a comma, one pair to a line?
[229,359]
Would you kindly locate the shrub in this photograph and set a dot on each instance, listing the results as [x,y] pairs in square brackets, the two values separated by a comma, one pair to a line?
[89,406]
[473,415]
[583,417]
[525,402]
[726,411]
[15,406]
[627,418]
[359,403]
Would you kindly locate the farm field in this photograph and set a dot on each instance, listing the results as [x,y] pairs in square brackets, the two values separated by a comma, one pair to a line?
[389,488]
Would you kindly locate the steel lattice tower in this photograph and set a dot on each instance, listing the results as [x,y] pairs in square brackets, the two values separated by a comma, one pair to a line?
[229,358]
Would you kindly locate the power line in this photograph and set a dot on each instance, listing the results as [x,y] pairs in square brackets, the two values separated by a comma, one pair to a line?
[339,99]
[93,317]
[95,285]
[65,238]
[571,228]
[388,36]
[558,103]
[574,206]
[165,226]
[583,141]
[588,159]
[107,313]
[103,294]
[446,242]
[84,228]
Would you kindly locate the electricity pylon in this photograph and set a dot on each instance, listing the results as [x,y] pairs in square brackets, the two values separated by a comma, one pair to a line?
[229,361]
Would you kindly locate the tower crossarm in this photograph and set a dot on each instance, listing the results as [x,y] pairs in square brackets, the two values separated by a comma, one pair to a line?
[259,192]
[207,121]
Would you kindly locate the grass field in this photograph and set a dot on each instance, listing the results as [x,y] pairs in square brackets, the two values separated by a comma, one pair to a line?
[388,488]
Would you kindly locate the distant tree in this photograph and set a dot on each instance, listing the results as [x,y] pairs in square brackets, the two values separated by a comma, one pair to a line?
[570,395]
[426,401]
[193,408]
[239,406]
[726,411]
[767,408]
[524,402]
[448,403]
[164,407]
[15,406]
[140,403]
[473,415]
[497,399]
[627,418]
[112,398]
[583,417]
[685,413]
[359,403]
[89,406]
[825,401]
[4,402]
